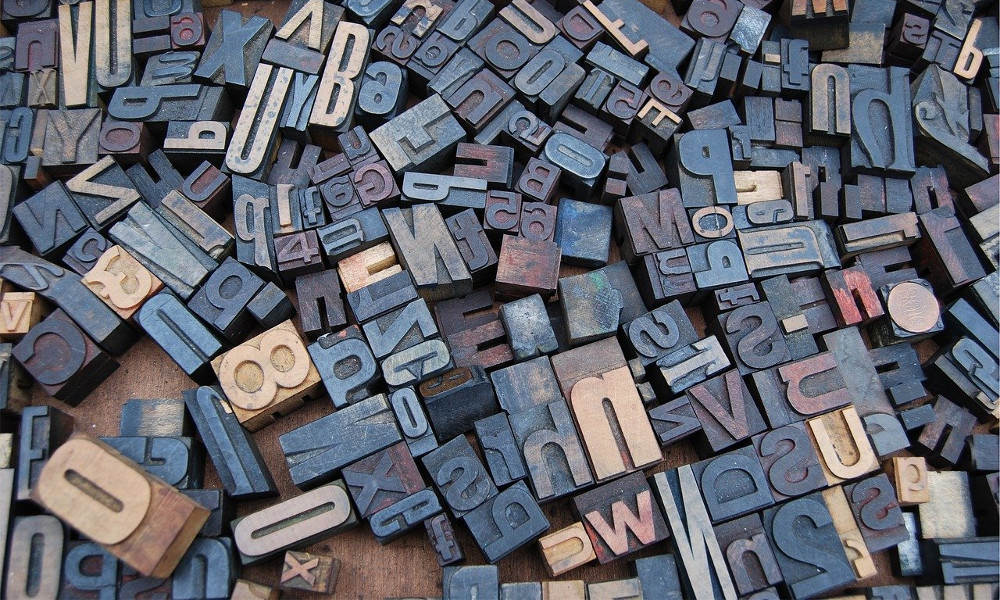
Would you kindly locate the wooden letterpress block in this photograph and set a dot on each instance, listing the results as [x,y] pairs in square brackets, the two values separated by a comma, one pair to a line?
[233,51]
[150,536]
[402,141]
[495,538]
[308,517]
[346,365]
[944,437]
[496,440]
[863,382]
[309,572]
[789,460]
[207,570]
[753,337]
[842,445]
[876,511]
[35,564]
[460,476]
[527,267]
[43,430]
[473,245]
[455,400]
[249,590]
[63,359]
[416,364]
[368,266]
[405,515]
[176,261]
[802,389]
[524,385]
[314,454]
[946,250]
[733,484]
[694,541]
[948,513]
[889,131]
[289,375]
[537,430]
[254,137]
[180,334]
[177,461]
[19,312]
[122,282]
[583,232]
[234,452]
[426,249]
[741,538]
[788,534]
[528,327]
[637,521]
[495,164]
[89,570]
[538,221]
[854,546]
[50,219]
[382,479]
[464,582]
[726,410]
[909,475]
[321,308]
[566,549]
[417,432]
[589,399]
[441,535]
[222,301]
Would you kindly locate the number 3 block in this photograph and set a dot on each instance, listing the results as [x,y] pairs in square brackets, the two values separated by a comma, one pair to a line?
[268,376]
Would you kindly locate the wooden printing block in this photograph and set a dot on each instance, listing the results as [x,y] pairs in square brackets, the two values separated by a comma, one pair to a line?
[638,521]
[308,517]
[309,572]
[267,376]
[151,535]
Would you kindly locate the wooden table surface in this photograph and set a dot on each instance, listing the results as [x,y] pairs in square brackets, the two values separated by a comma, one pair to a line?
[405,568]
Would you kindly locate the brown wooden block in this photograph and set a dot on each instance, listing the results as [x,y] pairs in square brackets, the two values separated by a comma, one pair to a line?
[621,517]
[63,359]
[306,572]
[19,312]
[842,445]
[155,524]
[616,446]
[382,479]
[855,549]
[567,549]
[121,282]
[726,410]
[368,266]
[267,376]
[333,109]
[527,267]
[946,252]
[909,475]
[428,252]
[852,295]
[250,590]
[801,389]
[308,517]
[441,535]
[34,568]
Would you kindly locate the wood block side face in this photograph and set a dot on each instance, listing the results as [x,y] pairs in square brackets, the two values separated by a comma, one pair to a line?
[267,376]
[135,516]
